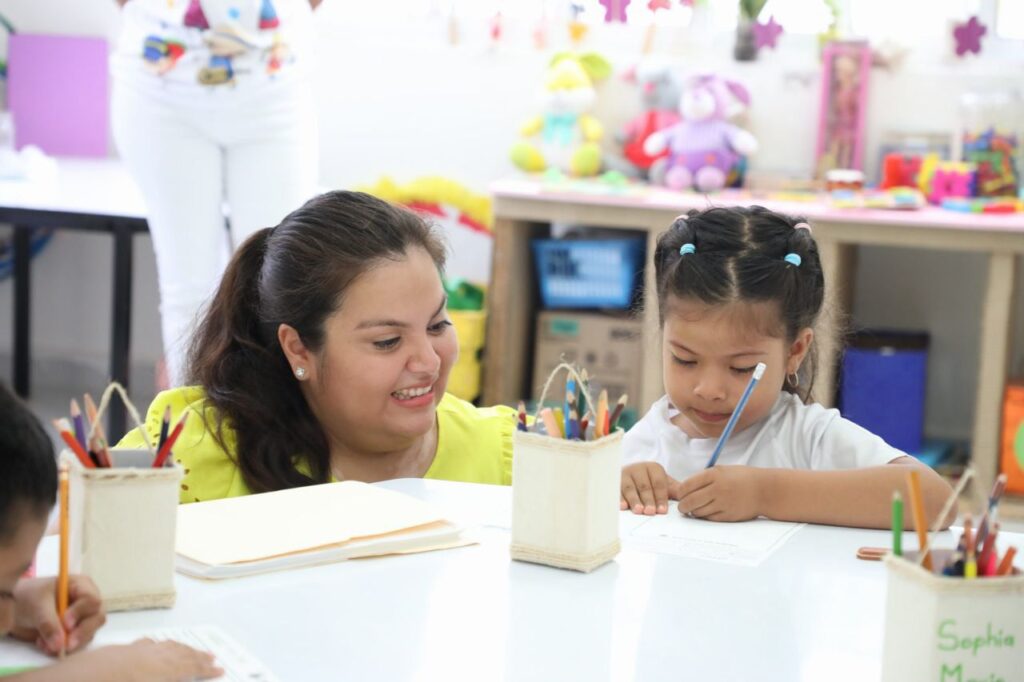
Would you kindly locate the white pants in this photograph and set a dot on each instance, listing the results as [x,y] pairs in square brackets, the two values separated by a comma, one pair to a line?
[254,149]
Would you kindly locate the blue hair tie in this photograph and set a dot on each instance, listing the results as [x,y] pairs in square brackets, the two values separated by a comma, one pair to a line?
[793,259]
[687,248]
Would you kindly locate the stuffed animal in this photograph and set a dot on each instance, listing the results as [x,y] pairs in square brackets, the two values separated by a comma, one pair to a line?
[568,137]
[659,93]
[704,147]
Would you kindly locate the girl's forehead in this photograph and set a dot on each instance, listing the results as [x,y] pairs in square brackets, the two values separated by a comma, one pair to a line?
[733,323]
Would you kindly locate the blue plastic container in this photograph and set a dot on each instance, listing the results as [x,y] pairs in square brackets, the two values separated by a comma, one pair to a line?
[882,387]
[577,273]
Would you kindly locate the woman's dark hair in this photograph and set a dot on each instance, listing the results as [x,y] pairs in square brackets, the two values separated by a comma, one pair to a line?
[28,467]
[740,254]
[297,274]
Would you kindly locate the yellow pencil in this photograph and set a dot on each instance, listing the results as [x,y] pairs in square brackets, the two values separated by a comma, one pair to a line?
[917,508]
[62,574]
[602,413]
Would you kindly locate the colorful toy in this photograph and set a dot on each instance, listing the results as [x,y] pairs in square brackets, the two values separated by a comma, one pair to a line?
[659,93]
[900,170]
[993,154]
[569,136]
[846,67]
[704,148]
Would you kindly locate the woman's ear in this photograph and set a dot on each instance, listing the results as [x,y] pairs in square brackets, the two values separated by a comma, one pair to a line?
[798,349]
[298,356]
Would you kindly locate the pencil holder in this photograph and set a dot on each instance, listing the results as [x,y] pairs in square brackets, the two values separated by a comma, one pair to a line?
[122,523]
[565,498]
[946,628]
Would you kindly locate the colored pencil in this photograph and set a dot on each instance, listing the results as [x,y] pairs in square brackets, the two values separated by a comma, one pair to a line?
[165,426]
[78,422]
[613,419]
[64,429]
[917,508]
[101,438]
[897,524]
[1006,565]
[560,418]
[602,414]
[970,563]
[737,411]
[165,450]
[62,571]
[547,415]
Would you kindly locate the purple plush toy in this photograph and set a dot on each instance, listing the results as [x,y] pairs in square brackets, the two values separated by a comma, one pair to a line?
[705,146]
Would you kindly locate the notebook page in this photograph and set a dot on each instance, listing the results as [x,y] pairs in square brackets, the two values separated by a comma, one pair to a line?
[238,663]
[746,543]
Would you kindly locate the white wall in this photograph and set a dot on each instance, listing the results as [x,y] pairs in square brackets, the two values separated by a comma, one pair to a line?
[395,98]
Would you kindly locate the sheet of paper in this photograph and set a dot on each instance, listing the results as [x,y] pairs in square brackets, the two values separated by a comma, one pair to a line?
[273,524]
[238,663]
[743,544]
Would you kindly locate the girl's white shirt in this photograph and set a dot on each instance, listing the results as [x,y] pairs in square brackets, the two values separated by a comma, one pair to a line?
[792,436]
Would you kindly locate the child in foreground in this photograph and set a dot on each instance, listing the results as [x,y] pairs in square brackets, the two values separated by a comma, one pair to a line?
[738,287]
[28,606]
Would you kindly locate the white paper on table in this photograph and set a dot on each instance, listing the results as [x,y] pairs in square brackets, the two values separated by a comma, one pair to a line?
[238,663]
[746,543]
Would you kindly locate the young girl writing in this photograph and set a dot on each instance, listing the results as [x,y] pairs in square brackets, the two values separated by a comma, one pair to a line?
[28,606]
[738,287]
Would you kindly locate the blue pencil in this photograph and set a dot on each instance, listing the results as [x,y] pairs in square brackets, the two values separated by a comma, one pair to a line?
[570,404]
[754,378]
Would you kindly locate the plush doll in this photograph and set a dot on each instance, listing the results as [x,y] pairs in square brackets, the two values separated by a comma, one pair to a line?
[568,136]
[704,147]
[659,93]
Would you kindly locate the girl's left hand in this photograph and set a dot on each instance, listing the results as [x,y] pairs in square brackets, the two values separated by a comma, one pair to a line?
[36,613]
[721,493]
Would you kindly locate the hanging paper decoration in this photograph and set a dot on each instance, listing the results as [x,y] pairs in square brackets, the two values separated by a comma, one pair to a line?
[540,33]
[655,5]
[615,10]
[767,35]
[496,27]
[577,29]
[968,36]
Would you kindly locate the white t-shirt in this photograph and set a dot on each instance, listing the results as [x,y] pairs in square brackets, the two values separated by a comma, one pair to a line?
[792,436]
[211,44]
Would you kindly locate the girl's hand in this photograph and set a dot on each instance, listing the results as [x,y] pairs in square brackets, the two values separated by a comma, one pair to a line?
[144,661]
[645,488]
[721,493]
[35,604]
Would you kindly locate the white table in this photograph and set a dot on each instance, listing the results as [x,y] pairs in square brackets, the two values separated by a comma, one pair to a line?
[810,612]
[95,195]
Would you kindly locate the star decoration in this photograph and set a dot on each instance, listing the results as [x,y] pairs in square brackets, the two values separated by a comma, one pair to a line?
[767,35]
[968,36]
[615,10]
[655,5]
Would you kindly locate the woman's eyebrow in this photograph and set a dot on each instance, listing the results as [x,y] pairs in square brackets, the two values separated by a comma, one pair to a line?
[395,323]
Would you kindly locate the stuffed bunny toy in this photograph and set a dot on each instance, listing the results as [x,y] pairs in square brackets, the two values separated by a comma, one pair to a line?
[659,93]
[704,147]
[568,136]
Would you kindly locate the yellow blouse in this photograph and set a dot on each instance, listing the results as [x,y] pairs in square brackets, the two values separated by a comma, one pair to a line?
[474,445]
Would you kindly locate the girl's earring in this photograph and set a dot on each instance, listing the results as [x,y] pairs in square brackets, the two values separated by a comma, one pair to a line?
[300,373]
[793,379]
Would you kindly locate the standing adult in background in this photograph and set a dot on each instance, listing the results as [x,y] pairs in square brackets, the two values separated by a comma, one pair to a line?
[212,106]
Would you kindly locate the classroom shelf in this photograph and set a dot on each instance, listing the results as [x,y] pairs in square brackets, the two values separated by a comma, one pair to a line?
[525,207]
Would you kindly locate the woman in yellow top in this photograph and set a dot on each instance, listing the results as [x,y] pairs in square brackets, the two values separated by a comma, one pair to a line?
[324,355]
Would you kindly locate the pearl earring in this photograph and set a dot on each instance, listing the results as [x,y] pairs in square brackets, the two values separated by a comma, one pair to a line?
[300,373]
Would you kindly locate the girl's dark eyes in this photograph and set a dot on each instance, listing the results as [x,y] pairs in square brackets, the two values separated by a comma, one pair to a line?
[693,363]
[388,344]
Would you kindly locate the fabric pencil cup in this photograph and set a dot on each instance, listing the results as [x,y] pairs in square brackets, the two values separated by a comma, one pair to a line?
[565,497]
[122,526]
[947,628]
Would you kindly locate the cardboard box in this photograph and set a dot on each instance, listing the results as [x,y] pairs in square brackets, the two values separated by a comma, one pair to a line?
[608,347]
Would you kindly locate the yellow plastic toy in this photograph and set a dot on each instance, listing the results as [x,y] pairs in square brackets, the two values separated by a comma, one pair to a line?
[569,137]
